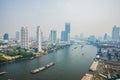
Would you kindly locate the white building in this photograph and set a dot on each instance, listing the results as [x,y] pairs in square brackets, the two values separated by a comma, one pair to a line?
[39,39]
[24,38]
[17,36]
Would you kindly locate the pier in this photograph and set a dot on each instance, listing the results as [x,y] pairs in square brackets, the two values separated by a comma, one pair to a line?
[87,77]
[94,66]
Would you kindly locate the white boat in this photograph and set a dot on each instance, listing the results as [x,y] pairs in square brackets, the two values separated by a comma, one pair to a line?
[2,73]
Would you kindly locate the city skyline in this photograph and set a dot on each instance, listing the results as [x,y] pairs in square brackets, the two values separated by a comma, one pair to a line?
[90,17]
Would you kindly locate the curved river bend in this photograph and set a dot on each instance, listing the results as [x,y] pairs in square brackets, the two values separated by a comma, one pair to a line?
[70,64]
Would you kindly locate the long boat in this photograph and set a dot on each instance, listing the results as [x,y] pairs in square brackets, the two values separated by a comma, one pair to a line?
[42,68]
[2,73]
[49,65]
[38,70]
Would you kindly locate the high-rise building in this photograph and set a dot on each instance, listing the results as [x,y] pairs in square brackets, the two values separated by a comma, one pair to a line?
[67,27]
[53,36]
[42,38]
[105,36]
[6,36]
[65,35]
[17,36]
[1,36]
[62,35]
[67,31]
[116,33]
[39,39]
[24,38]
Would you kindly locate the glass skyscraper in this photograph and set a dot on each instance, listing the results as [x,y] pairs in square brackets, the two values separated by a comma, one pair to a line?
[65,35]
[53,36]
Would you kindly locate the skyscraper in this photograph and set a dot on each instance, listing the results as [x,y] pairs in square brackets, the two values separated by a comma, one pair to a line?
[24,38]
[67,27]
[1,36]
[42,38]
[6,36]
[39,40]
[53,36]
[17,36]
[116,33]
[67,31]
[65,35]
[105,36]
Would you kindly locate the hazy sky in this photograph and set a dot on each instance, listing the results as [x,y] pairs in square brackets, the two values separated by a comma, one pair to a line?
[86,16]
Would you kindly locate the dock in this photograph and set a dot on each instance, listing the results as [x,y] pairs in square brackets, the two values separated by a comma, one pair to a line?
[94,66]
[87,77]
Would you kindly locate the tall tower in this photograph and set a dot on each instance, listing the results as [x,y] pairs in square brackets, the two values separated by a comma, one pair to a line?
[6,36]
[24,38]
[39,40]
[115,33]
[67,31]
[17,36]
[53,36]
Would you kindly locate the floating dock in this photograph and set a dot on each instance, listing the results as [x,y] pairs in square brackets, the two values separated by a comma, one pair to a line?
[94,66]
[87,77]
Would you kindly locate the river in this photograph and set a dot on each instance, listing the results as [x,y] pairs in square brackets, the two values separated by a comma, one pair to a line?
[70,64]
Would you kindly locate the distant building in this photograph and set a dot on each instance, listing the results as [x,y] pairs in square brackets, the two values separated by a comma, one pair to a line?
[67,31]
[24,38]
[65,35]
[39,39]
[53,36]
[6,36]
[92,39]
[1,36]
[81,36]
[116,33]
[105,36]
[42,38]
[17,36]
[67,27]
[62,35]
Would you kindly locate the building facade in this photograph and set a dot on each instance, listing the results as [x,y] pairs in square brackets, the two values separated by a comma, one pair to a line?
[116,33]
[17,36]
[53,36]
[39,39]
[65,35]
[24,38]
[6,36]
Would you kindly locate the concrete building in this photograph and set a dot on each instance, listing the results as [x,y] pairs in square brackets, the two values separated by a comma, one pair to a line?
[17,36]
[65,35]
[116,33]
[53,36]
[6,36]
[24,38]
[39,39]
[1,36]
[67,31]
